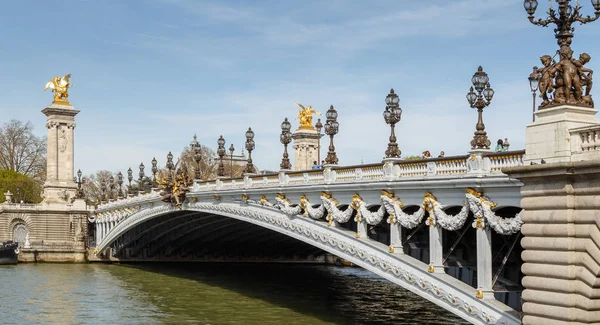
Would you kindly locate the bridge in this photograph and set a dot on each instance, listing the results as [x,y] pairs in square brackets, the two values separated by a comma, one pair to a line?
[437,223]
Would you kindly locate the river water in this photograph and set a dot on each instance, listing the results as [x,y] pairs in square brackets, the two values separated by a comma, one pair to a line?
[224,293]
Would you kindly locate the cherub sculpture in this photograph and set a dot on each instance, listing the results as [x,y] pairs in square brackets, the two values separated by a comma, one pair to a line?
[547,76]
[305,115]
[60,88]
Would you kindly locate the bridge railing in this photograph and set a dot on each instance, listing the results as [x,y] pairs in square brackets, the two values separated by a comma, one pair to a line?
[486,164]
[585,142]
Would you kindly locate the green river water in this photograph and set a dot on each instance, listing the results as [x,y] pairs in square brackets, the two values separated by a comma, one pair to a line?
[224,293]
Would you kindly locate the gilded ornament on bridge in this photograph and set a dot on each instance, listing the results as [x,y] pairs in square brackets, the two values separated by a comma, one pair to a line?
[60,88]
[305,116]
[174,189]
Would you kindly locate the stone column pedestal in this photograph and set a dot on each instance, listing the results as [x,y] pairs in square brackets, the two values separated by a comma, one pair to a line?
[306,148]
[561,242]
[548,138]
[59,185]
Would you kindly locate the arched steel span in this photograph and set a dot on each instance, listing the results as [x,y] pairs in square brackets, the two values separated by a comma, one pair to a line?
[441,289]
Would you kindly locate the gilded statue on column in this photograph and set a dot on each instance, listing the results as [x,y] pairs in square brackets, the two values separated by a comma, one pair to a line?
[60,87]
[305,116]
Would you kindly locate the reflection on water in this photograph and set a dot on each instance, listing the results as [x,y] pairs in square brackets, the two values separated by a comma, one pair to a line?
[207,294]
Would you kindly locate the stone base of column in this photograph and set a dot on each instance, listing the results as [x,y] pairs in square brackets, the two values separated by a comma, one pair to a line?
[306,148]
[548,138]
[561,236]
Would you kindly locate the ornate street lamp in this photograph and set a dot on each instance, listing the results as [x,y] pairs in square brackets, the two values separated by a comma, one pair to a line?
[221,153]
[141,179]
[103,189]
[80,181]
[154,171]
[129,178]
[231,150]
[319,126]
[392,115]
[479,100]
[170,165]
[120,182]
[285,138]
[534,83]
[249,146]
[195,146]
[111,184]
[571,77]
[331,129]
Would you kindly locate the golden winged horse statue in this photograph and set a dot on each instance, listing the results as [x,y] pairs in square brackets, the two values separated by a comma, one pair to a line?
[305,116]
[60,88]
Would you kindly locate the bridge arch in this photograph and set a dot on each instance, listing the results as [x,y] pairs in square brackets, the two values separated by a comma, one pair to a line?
[409,273]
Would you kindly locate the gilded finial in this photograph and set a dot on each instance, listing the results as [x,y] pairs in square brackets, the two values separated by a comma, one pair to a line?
[60,88]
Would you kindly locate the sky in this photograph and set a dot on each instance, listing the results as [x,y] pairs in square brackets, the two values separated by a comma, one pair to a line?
[150,74]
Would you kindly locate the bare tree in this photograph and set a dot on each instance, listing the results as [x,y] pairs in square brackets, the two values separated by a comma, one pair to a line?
[21,151]
[208,165]
[92,187]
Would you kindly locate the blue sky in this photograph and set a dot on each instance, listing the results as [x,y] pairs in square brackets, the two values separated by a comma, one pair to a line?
[149,74]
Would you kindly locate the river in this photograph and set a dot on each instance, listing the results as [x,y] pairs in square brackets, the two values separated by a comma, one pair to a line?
[225,293]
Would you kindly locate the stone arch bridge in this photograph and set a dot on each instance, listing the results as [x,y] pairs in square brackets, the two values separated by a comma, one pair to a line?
[448,227]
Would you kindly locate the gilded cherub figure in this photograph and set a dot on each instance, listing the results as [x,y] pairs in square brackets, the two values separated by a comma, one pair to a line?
[60,88]
[305,116]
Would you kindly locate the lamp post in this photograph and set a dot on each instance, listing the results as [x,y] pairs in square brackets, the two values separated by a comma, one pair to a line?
[170,165]
[231,150]
[285,138]
[249,146]
[534,83]
[120,182]
[567,15]
[392,115]
[129,178]
[141,179]
[570,78]
[79,180]
[221,153]
[111,185]
[331,129]
[479,100]
[154,171]
[103,189]
[195,145]
[319,126]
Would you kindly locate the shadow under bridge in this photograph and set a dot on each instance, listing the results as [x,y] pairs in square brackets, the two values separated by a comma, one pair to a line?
[200,236]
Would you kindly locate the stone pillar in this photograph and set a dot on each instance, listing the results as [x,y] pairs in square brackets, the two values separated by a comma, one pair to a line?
[59,185]
[436,250]
[484,264]
[396,238]
[561,228]
[306,148]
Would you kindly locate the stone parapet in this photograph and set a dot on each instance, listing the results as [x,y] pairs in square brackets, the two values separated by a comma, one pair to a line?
[561,242]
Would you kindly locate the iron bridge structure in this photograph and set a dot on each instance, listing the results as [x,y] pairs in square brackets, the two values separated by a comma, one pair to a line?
[446,229]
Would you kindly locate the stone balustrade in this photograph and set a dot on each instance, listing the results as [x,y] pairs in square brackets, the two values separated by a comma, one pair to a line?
[585,142]
[492,163]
